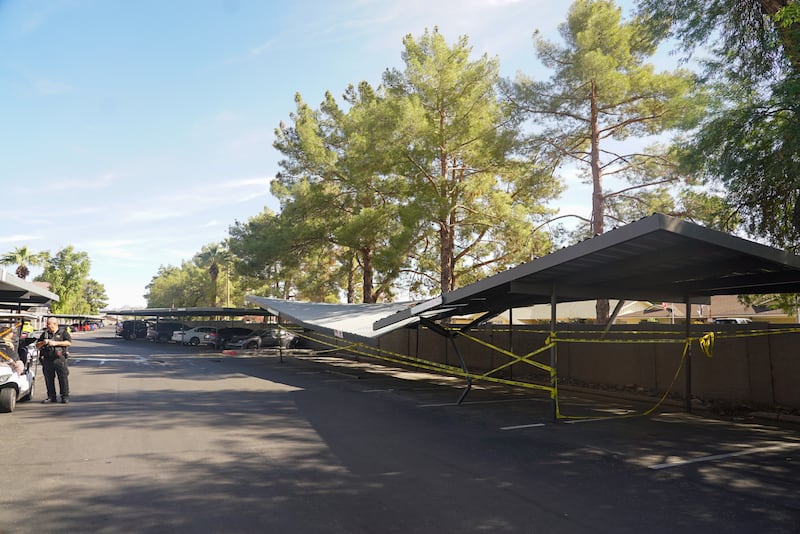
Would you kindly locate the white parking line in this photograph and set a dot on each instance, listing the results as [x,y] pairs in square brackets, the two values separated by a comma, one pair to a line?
[527,399]
[517,427]
[103,359]
[678,463]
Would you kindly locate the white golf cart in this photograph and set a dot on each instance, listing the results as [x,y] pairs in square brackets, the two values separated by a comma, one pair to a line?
[16,386]
[18,298]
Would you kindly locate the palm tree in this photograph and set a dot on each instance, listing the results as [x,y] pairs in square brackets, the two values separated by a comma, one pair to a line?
[212,255]
[22,257]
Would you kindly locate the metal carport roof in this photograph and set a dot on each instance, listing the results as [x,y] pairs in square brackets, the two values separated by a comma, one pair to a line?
[188,312]
[336,320]
[658,258]
[18,293]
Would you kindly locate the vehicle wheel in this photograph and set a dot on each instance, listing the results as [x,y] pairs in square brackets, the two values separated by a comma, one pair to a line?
[252,345]
[194,341]
[29,395]
[8,399]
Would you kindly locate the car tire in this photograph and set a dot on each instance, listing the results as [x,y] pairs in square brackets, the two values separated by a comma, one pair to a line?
[252,345]
[194,341]
[8,399]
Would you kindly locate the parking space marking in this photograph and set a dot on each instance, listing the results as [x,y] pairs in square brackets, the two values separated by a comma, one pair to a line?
[497,401]
[757,450]
[517,427]
[598,419]
[110,358]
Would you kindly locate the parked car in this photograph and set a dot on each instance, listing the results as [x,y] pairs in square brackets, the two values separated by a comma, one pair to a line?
[732,320]
[132,329]
[273,337]
[226,334]
[200,335]
[163,330]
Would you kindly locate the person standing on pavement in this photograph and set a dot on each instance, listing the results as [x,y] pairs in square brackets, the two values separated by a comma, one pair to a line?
[53,345]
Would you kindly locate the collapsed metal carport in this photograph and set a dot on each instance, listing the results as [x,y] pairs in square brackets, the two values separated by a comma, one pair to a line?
[658,258]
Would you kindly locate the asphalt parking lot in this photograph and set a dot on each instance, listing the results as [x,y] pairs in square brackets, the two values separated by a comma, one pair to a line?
[162,438]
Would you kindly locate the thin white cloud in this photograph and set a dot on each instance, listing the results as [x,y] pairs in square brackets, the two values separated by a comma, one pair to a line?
[19,238]
[152,215]
[260,49]
[51,87]
[184,202]
[71,184]
[226,116]
[246,183]
[251,54]
[249,142]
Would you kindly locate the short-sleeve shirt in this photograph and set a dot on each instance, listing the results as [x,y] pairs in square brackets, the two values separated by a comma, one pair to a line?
[62,334]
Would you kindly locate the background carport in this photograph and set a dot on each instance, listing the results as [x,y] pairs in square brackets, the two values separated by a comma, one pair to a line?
[159,313]
[18,294]
[658,258]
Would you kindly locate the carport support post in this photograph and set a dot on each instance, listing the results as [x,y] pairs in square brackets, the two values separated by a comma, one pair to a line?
[280,345]
[553,357]
[688,355]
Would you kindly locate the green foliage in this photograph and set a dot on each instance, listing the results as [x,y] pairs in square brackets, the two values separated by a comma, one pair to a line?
[337,203]
[601,94]
[184,286]
[788,15]
[789,303]
[759,164]
[68,275]
[95,294]
[212,257]
[283,259]
[738,35]
[457,145]
[748,140]
[24,258]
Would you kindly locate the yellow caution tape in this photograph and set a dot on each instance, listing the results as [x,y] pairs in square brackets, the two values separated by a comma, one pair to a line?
[707,344]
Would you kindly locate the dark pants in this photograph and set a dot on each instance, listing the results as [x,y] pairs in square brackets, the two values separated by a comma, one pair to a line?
[52,368]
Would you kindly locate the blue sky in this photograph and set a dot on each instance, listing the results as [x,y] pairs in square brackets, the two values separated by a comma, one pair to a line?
[140,131]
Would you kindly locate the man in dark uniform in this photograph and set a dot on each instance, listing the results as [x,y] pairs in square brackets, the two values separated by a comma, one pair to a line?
[53,345]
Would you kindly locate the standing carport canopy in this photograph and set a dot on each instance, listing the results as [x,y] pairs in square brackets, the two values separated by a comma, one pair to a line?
[19,294]
[189,312]
[658,258]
